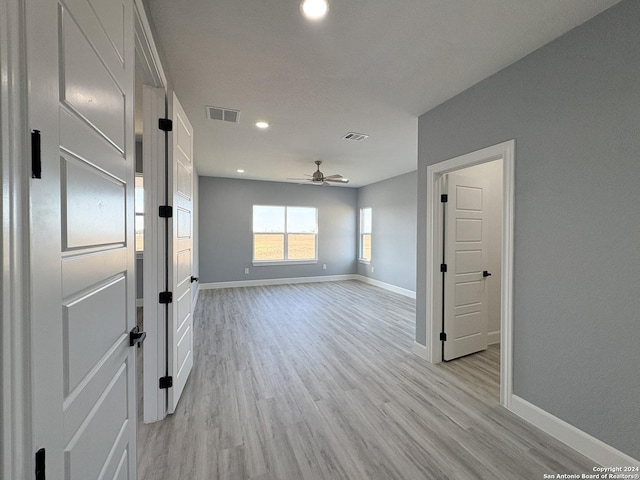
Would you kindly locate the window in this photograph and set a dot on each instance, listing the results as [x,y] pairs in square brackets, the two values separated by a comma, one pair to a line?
[365,235]
[139,204]
[285,234]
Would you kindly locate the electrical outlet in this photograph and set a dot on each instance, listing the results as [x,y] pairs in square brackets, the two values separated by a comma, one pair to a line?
[371,269]
[246,271]
[324,266]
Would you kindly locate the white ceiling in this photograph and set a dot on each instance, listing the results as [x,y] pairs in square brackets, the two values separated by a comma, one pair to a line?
[372,66]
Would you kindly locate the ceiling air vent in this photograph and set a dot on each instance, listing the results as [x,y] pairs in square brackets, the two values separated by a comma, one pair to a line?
[355,136]
[222,114]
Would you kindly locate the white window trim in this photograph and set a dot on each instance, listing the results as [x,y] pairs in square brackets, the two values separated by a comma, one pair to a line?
[273,263]
[285,261]
[365,261]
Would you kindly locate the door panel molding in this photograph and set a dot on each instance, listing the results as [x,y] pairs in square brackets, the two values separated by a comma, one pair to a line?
[432,351]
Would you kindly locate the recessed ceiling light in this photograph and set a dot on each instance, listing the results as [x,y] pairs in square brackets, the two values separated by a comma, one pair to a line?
[314,9]
[262,125]
[240,170]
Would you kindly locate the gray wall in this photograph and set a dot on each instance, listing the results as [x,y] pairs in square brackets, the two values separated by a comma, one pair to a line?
[393,238]
[226,228]
[573,107]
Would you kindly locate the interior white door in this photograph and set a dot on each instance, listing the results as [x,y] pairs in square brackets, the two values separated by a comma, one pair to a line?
[82,237]
[465,285]
[180,332]
[154,106]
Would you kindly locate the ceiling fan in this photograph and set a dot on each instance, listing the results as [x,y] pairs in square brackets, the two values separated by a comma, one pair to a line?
[318,177]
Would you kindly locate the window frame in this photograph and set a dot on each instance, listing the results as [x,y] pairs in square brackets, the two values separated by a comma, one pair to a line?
[361,235]
[285,234]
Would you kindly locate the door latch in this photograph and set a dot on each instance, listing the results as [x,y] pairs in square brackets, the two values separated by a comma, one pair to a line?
[486,274]
[136,336]
[194,279]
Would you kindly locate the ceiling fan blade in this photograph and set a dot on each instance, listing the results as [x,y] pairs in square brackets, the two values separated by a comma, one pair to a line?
[333,176]
[337,180]
[303,179]
[325,184]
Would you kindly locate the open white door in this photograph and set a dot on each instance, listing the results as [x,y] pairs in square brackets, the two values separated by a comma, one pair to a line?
[465,290]
[154,106]
[82,247]
[180,331]
[168,253]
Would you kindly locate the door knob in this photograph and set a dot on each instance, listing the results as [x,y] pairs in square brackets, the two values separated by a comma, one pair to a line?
[136,336]
[486,274]
[194,279]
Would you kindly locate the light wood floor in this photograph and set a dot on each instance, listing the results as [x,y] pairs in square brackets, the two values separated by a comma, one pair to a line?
[318,381]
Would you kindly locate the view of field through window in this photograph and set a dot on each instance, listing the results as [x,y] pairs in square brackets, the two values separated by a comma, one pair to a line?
[365,233]
[284,233]
[139,205]
[366,246]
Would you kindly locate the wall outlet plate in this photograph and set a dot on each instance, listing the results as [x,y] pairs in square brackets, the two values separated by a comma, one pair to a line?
[246,271]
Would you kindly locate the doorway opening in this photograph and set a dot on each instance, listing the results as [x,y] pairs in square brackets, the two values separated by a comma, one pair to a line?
[437,176]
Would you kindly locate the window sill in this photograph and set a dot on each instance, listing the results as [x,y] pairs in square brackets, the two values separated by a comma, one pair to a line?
[269,263]
[365,261]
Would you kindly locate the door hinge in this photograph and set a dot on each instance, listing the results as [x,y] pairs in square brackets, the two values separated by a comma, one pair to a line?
[165,211]
[443,337]
[36,155]
[165,124]
[444,198]
[443,268]
[166,382]
[40,465]
[165,297]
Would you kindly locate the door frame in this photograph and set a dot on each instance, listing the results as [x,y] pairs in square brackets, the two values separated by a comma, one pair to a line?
[149,67]
[15,414]
[506,152]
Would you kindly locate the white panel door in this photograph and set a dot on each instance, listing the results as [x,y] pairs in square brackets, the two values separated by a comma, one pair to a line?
[155,253]
[465,288]
[180,331]
[82,241]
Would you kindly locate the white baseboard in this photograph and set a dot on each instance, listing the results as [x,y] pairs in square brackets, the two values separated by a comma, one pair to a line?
[276,281]
[139,302]
[493,338]
[582,442]
[386,286]
[421,351]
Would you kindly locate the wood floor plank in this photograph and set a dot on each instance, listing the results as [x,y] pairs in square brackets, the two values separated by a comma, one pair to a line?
[318,382]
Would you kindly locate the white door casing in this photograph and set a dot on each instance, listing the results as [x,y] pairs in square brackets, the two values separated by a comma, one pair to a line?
[180,331]
[432,349]
[82,249]
[465,287]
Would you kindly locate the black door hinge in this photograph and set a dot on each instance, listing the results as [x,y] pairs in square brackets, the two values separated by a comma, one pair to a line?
[165,124]
[165,211]
[444,198]
[166,382]
[40,465]
[443,268]
[36,155]
[443,337]
[165,297]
